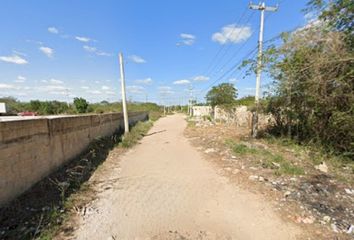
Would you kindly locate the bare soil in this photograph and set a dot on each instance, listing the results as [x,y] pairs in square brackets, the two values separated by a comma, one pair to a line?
[164,188]
[316,201]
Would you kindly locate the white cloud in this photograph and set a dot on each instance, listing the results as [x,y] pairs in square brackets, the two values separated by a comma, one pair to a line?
[49,88]
[82,39]
[181,82]
[110,92]
[15,58]
[144,81]
[96,92]
[187,39]
[201,78]
[55,81]
[105,88]
[90,49]
[7,86]
[135,89]
[100,53]
[232,34]
[20,79]
[47,51]
[53,30]
[95,51]
[165,90]
[137,59]
[58,92]
[85,87]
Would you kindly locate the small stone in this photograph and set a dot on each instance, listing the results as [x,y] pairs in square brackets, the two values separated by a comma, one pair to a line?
[233,157]
[327,219]
[349,191]
[322,167]
[334,228]
[235,171]
[210,150]
[308,220]
[287,194]
[253,178]
[261,179]
[276,164]
[350,229]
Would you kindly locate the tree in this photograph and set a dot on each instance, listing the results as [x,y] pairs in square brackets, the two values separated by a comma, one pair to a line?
[223,94]
[313,95]
[81,105]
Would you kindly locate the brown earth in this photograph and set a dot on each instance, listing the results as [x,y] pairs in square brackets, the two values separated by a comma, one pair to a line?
[165,189]
[318,202]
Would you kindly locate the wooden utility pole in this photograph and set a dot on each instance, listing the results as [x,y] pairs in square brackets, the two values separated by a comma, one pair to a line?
[261,7]
[124,99]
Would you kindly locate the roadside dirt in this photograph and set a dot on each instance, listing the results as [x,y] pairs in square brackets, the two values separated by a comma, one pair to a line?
[165,189]
[318,202]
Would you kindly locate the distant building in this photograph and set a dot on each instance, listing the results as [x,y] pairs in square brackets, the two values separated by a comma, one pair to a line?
[2,108]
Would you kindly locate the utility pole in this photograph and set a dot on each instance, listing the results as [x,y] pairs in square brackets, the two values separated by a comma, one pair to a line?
[261,7]
[190,101]
[124,100]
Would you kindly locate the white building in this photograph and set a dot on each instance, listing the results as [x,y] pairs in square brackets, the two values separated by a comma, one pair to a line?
[2,108]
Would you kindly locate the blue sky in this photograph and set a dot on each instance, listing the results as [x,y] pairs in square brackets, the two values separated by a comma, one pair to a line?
[64,49]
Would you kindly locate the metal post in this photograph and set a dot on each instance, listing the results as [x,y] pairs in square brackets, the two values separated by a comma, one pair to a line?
[261,7]
[124,99]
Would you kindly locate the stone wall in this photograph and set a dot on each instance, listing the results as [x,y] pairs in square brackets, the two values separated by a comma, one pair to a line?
[200,111]
[241,116]
[30,149]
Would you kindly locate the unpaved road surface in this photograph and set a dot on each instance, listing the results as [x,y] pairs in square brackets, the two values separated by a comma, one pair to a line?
[166,190]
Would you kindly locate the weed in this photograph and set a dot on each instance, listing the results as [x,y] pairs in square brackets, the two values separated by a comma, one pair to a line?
[136,133]
[289,169]
[268,159]
[191,124]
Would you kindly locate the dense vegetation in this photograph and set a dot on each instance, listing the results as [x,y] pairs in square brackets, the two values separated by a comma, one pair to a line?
[312,98]
[79,105]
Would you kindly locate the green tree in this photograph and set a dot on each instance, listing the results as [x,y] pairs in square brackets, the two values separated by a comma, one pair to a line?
[313,70]
[223,94]
[81,105]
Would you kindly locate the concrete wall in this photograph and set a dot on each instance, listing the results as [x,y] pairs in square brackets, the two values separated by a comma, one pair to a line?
[200,111]
[32,149]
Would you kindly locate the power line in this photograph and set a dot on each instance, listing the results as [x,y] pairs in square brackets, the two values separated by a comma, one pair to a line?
[229,46]
[223,46]
[232,69]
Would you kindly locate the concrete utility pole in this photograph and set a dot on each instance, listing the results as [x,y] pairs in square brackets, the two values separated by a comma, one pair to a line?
[261,7]
[124,99]
[190,101]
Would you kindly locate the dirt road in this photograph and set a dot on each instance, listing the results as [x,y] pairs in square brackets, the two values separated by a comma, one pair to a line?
[166,190]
